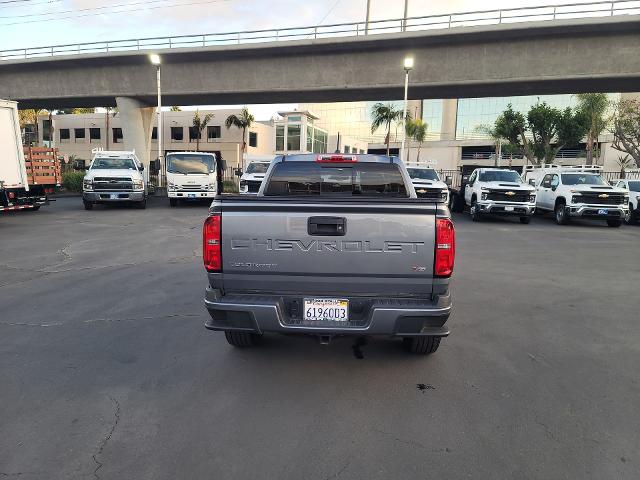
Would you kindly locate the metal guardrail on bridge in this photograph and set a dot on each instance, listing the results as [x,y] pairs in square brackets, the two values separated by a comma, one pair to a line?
[409,24]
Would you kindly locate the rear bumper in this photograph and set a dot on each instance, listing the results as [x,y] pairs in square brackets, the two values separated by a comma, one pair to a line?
[259,314]
[505,208]
[102,196]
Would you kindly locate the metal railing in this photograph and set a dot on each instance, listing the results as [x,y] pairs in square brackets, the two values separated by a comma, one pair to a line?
[396,25]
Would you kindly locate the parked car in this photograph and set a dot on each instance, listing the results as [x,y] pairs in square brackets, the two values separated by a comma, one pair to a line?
[578,191]
[495,191]
[427,183]
[253,175]
[114,177]
[633,189]
[191,176]
[331,245]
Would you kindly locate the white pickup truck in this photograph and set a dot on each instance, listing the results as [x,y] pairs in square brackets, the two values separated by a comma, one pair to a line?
[251,179]
[633,188]
[114,177]
[577,191]
[191,176]
[427,183]
[498,191]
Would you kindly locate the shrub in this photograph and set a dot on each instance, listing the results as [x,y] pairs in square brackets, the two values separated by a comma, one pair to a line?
[230,186]
[72,181]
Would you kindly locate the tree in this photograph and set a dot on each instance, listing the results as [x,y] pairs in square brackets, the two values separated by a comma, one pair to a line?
[511,126]
[626,129]
[553,129]
[175,108]
[385,114]
[29,116]
[416,130]
[624,162]
[200,124]
[594,106]
[243,121]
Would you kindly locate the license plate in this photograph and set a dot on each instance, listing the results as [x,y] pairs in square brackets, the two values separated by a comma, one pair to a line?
[509,209]
[332,309]
[113,196]
[191,195]
[603,211]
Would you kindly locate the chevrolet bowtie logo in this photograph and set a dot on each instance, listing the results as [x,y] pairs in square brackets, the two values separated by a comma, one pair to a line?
[511,194]
[603,195]
[421,191]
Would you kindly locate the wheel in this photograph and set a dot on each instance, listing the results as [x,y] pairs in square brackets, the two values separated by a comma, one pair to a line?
[173,202]
[476,216]
[614,222]
[457,203]
[241,339]
[36,208]
[421,345]
[562,218]
[88,205]
[525,220]
[142,204]
[628,218]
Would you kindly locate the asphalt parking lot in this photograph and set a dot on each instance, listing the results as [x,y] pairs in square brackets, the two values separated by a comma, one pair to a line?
[106,370]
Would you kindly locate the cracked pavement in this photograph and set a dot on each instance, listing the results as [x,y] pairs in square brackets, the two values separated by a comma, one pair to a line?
[106,371]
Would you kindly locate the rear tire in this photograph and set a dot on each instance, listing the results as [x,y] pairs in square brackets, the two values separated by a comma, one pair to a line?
[614,223]
[525,220]
[476,216]
[142,205]
[36,208]
[173,202]
[457,203]
[628,218]
[241,339]
[562,218]
[88,205]
[421,345]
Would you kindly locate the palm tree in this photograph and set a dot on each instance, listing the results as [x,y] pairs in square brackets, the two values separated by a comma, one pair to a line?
[384,114]
[417,130]
[243,121]
[200,124]
[594,106]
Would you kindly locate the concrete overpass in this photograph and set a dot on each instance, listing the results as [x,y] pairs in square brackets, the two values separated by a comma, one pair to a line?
[559,56]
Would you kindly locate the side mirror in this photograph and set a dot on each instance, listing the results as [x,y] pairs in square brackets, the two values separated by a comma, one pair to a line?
[448,181]
[238,172]
[532,182]
[554,187]
[141,168]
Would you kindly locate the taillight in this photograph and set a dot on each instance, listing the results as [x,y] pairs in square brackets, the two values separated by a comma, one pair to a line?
[336,159]
[445,248]
[212,244]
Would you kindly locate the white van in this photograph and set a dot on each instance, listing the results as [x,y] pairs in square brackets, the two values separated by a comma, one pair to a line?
[191,175]
[254,173]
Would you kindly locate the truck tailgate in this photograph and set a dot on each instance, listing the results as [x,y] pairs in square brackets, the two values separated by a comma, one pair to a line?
[329,248]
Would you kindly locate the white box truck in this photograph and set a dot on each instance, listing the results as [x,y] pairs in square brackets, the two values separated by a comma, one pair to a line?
[24,183]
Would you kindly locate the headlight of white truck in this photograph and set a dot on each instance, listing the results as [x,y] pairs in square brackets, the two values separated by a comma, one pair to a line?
[532,198]
[483,196]
[87,184]
[138,185]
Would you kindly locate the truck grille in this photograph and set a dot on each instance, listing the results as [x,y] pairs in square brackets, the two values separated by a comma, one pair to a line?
[509,195]
[594,198]
[112,184]
[253,186]
[431,193]
[190,188]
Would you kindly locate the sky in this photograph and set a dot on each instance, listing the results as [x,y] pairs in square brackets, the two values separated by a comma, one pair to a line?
[36,23]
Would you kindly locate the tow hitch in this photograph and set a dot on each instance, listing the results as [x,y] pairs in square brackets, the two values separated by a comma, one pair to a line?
[324,339]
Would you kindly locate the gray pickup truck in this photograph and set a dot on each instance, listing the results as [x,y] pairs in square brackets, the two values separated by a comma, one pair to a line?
[332,245]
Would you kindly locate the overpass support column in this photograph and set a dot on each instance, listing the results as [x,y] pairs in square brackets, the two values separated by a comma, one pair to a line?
[137,123]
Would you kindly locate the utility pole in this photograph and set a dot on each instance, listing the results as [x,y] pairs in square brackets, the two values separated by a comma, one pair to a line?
[366,23]
[406,14]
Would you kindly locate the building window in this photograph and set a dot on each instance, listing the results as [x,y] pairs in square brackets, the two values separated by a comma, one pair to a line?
[79,134]
[279,138]
[294,119]
[46,130]
[194,134]
[65,134]
[94,134]
[293,138]
[320,141]
[214,132]
[177,134]
[347,149]
[309,138]
[117,135]
[362,152]
[154,133]
[253,139]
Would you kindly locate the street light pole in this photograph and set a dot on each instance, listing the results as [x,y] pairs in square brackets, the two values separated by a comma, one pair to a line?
[366,24]
[155,60]
[408,65]
[406,13]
